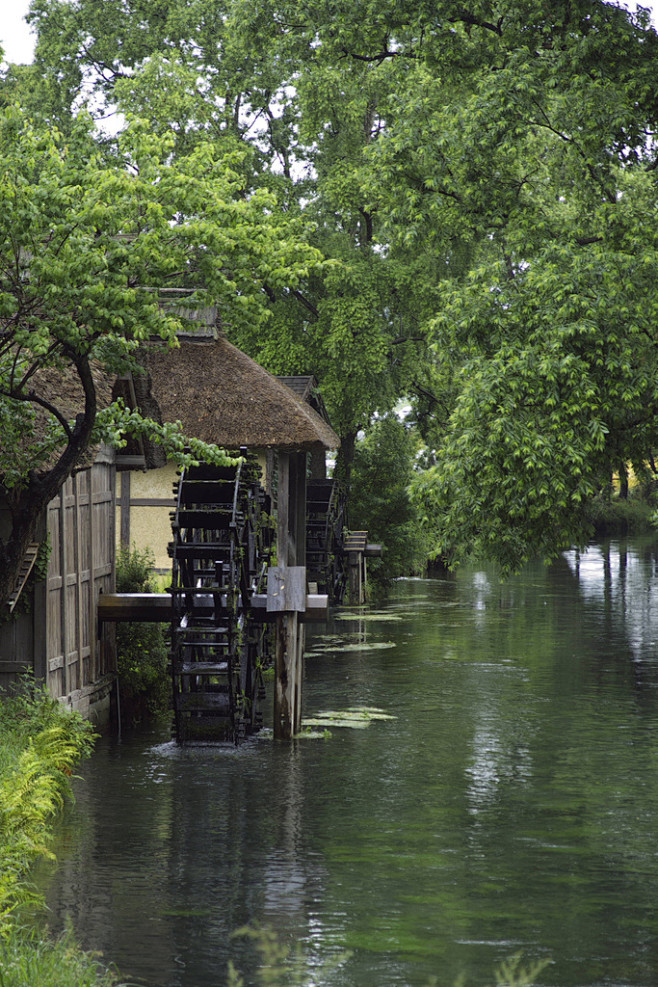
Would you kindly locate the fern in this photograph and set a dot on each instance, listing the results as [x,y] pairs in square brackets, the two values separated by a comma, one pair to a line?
[41,744]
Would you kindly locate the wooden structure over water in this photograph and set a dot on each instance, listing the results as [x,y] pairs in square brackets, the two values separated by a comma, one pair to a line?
[222,396]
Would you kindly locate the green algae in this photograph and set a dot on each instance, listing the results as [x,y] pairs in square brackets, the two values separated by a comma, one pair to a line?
[354,717]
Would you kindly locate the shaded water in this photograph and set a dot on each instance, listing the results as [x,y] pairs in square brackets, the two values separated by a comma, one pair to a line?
[511,805]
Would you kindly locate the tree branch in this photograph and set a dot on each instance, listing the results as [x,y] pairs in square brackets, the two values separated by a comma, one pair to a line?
[464,17]
[305,302]
[34,398]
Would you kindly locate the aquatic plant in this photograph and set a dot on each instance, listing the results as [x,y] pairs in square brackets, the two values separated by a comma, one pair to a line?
[356,717]
[281,965]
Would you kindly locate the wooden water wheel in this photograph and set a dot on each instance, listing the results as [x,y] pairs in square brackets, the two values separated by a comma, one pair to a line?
[220,553]
[325,524]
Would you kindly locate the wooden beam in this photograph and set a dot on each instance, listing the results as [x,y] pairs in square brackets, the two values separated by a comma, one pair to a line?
[355,560]
[317,608]
[156,608]
[284,553]
[291,554]
[64,569]
[125,511]
[125,462]
[137,607]
[14,667]
[356,541]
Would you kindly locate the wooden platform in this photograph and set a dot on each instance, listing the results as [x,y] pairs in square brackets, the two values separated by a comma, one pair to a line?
[156,607]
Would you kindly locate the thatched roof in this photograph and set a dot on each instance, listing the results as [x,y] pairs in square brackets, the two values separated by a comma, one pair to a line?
[62,388]
[306,389]
[221,395]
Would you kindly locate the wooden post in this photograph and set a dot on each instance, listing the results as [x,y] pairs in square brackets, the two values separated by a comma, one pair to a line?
[299,521]
[40,613]
[124,504]
[356,590]
[291,554]
[284,676]
[64,563]
[76,677]
[357,548]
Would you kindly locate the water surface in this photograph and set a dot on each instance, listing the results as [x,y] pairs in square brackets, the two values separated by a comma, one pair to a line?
[511,805]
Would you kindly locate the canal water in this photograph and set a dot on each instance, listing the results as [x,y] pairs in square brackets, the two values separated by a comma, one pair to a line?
[510,805]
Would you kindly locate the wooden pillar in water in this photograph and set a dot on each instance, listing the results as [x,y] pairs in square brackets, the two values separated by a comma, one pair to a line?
[287,594]
[355,580]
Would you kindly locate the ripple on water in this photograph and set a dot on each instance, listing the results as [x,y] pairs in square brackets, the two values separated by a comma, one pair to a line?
[510,806]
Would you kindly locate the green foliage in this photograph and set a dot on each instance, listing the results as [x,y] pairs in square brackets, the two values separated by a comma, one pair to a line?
[27,960]
[380,501]
[142,652]
[87,241]
[83,245]
[135,570]
[40,744]
[280,963]
[615,516]
[480,180]
[294,125]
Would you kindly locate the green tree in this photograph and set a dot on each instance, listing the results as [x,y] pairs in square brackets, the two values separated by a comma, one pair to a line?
[85,247]
[528,132]
[237,72]
[380,502]
[481,178]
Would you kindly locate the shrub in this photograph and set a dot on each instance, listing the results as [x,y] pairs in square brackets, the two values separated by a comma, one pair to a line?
[616,516]
[142,652]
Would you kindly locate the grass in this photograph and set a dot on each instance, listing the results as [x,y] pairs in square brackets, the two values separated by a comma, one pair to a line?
[27,961]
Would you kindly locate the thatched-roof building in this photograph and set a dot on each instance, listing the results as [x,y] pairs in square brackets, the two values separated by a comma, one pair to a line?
[219,395]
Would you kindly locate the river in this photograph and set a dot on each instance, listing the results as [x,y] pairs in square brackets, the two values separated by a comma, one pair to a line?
[510,803]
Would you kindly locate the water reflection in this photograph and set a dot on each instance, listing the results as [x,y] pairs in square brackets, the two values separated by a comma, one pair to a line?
[623,583]
[511,803]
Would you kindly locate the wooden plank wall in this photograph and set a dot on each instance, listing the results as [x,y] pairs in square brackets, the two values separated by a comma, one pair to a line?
[58,638]
[81,529]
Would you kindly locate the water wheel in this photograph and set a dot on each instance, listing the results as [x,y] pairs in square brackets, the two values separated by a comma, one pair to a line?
[325,523]
[220,552]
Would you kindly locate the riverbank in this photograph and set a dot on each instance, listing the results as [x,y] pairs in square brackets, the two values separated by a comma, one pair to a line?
[40,745]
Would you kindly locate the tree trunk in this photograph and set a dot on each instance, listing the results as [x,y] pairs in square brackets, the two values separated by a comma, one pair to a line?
[623,482]
[345,458]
